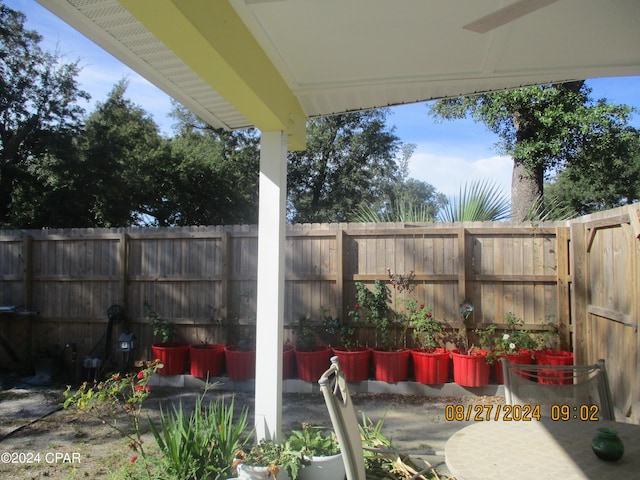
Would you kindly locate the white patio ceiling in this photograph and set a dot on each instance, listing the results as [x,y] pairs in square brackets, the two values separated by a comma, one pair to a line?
[333,56]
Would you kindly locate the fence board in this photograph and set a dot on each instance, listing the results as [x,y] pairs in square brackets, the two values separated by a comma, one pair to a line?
[606,258]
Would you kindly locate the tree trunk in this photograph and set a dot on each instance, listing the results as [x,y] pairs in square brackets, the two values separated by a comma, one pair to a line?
[526,189]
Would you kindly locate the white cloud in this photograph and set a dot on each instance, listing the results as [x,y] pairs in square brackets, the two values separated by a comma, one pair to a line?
[448,173]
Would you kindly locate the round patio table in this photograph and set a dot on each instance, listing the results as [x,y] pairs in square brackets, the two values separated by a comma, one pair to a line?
[532,450]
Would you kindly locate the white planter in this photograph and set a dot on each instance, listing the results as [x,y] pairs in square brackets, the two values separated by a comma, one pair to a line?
[249,472]
[324,468]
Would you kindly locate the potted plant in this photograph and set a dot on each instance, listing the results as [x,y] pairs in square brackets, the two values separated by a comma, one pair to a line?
[312,359]
[430,360]
[206,360]
[288,360]
[470,367]
[516,344]
[320,453]
[269,459]
[547,353]
[172,355]
[353,357]
[200,442]
[390,358]
[240,351]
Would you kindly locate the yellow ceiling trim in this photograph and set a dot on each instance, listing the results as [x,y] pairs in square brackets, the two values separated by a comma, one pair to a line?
[210,37]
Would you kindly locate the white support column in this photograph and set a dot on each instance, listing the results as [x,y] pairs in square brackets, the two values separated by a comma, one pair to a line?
[270,301]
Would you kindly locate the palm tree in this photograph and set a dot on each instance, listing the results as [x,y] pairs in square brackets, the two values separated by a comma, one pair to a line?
[401,212]
[480,201]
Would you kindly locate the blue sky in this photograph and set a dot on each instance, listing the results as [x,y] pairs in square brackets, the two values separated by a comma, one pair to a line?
[447,156]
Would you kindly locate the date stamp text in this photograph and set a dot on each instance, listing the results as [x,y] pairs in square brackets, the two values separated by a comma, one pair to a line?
[480,413]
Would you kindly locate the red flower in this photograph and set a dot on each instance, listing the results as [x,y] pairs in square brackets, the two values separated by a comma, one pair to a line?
[133,459]
[356,306]
[140,374]
[422,307]
[428,314]
[116,376]
[138,388]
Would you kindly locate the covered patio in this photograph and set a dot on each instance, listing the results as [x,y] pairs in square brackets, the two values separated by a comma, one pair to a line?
[273,64]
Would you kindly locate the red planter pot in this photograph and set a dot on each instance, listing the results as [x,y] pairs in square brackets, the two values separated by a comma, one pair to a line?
[207,360]
[354,362]
[241,364]
[554,357]
[523,358]
[313,363]
[431,367]
[471,370]
[391,366]
[288,357]
[173,355]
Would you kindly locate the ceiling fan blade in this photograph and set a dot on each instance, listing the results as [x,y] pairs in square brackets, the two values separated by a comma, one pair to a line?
[506,15]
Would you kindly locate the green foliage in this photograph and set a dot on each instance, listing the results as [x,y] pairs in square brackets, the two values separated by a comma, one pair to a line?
[426,329]
[116,395]
[515,337]
[407,200]
[273,455]
[202,444]
[480,201]
[546,129]
[349,160]
[215,178]
[549,208]
[348,331]
[549,337]
[403,212]
[459,334]
[161,326]
[313,440]
[308,329]
[486,337]
[39,121]
[606,176]
[374,308]
[124,157]
[306,333]
[383,461]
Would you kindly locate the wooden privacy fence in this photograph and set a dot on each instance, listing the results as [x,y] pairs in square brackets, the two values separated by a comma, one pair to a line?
[579,275]
[202,278]
[606,303]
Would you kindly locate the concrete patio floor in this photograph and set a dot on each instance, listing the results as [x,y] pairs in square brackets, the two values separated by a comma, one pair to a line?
[414,414]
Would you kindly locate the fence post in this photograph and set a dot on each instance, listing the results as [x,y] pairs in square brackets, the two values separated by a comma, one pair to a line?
[580,270]
[27,276]
[340,310]
[224,287]
[124,270]
[563,293]
[27,287]
[462,265]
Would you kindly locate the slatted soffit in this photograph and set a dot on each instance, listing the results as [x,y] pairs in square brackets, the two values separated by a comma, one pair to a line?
[273,63]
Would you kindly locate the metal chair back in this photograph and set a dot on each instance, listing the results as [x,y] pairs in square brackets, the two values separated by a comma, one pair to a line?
[333,385]
[552,386]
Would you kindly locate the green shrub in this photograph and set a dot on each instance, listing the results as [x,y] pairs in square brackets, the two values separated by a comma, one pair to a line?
[313,440]
[202,444]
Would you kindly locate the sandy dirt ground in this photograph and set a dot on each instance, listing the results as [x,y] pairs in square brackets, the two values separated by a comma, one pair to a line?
[39,439]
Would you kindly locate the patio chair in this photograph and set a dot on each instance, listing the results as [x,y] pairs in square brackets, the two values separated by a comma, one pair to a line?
[552,386]
[333,385]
